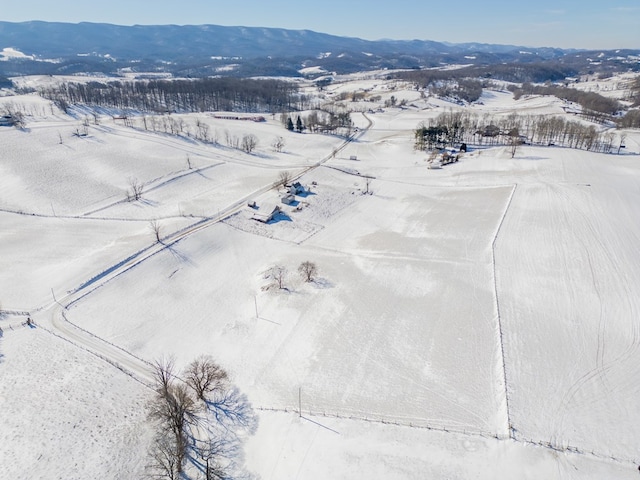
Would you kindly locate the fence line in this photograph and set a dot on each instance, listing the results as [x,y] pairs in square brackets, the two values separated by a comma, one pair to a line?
[497,303]
[513,436]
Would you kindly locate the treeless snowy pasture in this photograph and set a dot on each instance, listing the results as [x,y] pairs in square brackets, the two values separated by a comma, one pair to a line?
[66,413]
[434,288]
[573,273]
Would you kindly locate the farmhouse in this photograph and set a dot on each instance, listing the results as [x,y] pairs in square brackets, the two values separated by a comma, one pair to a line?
[296,188]
[266,213]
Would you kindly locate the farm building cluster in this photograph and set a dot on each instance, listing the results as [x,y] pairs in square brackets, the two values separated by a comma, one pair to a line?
[267,211]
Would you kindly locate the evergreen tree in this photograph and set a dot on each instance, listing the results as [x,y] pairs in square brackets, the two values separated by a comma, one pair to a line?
[299,124]
[289,124]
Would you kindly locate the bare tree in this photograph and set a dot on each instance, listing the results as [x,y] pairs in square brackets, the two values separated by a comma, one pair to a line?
[180,411]
[163,374]
[279,273]
[278,144]
[232,140]
[174,409]
[308,270]
[283,179]
[203,131]
[249,142]
[164,463]
[209,452]
[284,119]
[205,377]
[623,137]
[156,228]
[135,190]
[18,119]
[514,141]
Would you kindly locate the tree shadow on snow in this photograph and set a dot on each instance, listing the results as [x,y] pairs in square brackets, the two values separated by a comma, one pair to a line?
[230,420]
[321,283]
[147,202]
[233,410]
[181,257]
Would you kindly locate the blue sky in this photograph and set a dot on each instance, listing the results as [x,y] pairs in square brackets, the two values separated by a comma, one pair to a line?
[567,24]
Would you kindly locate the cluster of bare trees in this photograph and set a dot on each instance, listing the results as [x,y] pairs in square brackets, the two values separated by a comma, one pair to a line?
[465,89]
[444,83]
[634,94]
[15,112]
[325,121]
[249,142]
[278,274]
[630,120]
[455,127]
[200,130]
[196,415]
[197,95]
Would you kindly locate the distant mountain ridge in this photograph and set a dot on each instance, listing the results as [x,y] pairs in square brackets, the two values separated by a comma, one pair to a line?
[205,49]
[52,40]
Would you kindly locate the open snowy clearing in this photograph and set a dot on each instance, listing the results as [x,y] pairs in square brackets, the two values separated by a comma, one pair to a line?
[476,321]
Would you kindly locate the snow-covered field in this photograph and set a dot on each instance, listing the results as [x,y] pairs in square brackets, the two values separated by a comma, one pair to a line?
[475,321]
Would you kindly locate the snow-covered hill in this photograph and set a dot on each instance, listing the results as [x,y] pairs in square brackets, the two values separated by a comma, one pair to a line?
[474,321]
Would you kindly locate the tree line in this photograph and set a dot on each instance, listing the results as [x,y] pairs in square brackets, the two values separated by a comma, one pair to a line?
[456,127]
[512,72]
[192,95]
[595,106]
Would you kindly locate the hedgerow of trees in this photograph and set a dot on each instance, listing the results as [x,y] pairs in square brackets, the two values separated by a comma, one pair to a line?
[456,127]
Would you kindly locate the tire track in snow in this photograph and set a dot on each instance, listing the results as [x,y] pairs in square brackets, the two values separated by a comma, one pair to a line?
[602,366]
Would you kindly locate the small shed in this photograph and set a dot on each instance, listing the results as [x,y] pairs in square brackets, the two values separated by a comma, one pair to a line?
[7,121]
[288,199]
[266,212]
